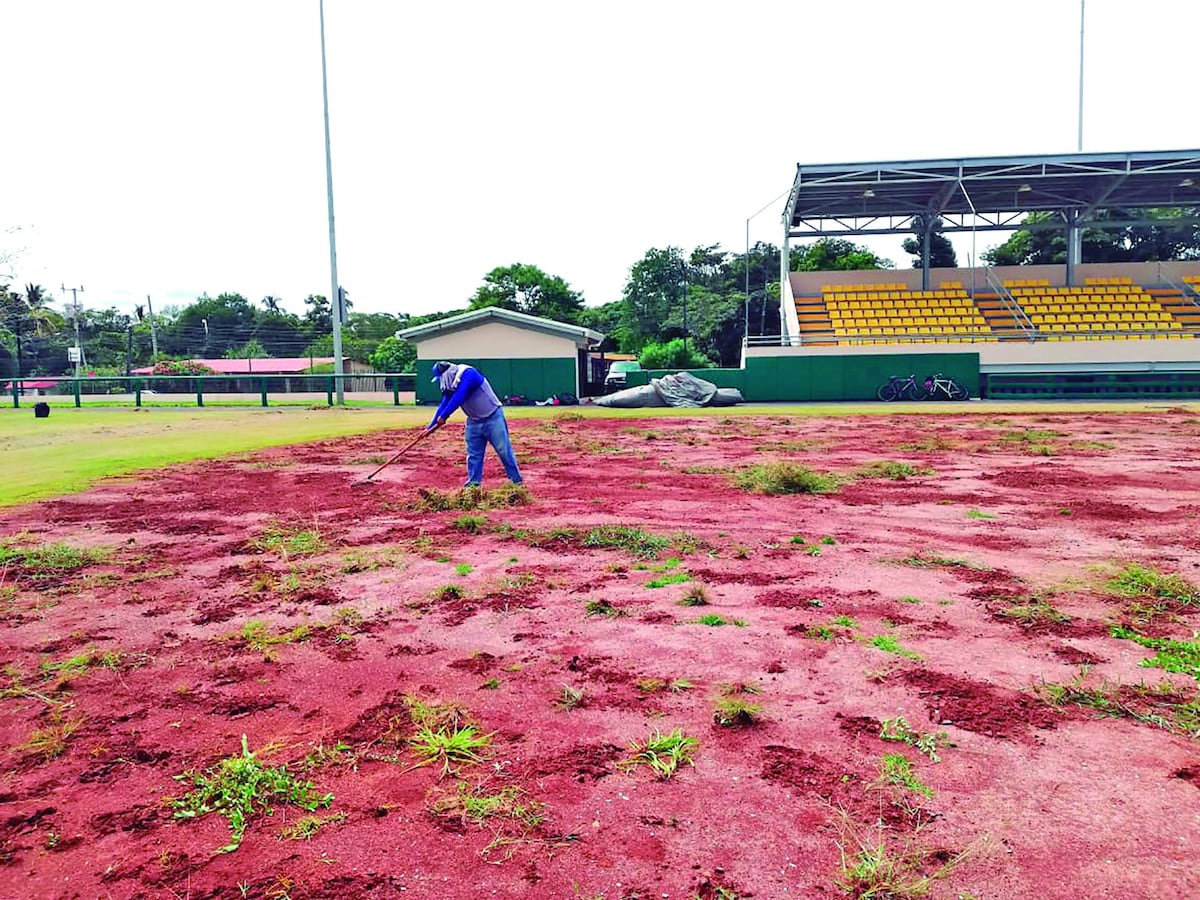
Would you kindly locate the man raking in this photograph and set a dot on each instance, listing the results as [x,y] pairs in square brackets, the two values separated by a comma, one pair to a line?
[463,386]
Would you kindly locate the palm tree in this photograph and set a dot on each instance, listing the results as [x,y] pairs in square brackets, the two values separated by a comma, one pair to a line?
[45,321]
[271,303]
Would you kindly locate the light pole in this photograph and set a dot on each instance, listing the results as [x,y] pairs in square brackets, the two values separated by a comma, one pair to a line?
[334,303]
[1079,142]
[746,323]
[75,292]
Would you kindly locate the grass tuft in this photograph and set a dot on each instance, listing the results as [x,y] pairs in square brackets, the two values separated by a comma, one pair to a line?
[734,712]
[629,538]
[1143,581]
[786,478]
[696,595]
[663,753]
[892,470]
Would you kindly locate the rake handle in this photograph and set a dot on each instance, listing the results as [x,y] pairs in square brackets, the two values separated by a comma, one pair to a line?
[395,456]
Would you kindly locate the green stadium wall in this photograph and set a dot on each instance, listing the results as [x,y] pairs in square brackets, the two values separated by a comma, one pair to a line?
[803,379]
[533,379]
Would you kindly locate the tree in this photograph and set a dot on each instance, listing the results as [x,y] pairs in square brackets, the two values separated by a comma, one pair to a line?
[835,255]
[394,355]
[319,317]
[941,251]
[210,326]
[527,289]
[30,322]
[1043,241]
[271,304]
[674,354]
[605,319]
[252,349]
[655,289]
[280,333]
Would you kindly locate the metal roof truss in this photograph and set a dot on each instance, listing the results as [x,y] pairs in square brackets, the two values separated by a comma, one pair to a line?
[986,194]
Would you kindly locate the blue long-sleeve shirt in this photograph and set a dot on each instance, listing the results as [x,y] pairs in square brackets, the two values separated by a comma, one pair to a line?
[473,394]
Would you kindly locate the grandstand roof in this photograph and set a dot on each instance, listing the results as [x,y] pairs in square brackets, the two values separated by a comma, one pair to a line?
[985,193]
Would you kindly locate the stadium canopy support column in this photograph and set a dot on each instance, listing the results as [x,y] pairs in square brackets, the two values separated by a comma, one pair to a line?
[925,253]
[1074,245]
[783,277]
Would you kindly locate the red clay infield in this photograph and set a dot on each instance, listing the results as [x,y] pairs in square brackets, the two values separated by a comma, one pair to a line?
[934,598]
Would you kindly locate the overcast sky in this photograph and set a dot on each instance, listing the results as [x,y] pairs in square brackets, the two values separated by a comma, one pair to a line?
[174,147]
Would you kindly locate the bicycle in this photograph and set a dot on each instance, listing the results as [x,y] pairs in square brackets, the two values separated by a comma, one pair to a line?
[897,387]
[952,389]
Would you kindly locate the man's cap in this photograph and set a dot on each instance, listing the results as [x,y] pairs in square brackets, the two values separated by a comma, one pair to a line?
[438,369]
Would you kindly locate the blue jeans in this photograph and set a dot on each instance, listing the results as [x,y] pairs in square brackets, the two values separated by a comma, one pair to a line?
[492,430]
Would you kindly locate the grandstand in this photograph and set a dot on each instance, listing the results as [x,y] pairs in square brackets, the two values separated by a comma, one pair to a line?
[1076,329]
[1024,309]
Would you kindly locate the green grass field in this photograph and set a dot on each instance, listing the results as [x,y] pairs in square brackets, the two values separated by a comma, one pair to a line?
[75,448]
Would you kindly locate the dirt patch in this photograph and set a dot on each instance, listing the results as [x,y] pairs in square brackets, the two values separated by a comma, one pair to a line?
[827,620]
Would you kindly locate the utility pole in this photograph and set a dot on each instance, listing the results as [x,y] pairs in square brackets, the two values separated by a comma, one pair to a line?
[333,277]
[75,310]
[153,330]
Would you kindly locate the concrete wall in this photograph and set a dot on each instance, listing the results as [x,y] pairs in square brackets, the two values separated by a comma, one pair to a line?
[499,340]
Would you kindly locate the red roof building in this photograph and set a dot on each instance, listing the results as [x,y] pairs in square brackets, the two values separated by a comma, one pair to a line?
[286,365]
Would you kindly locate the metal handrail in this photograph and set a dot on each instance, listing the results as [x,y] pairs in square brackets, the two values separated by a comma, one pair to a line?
[1187,291]
[1010,303]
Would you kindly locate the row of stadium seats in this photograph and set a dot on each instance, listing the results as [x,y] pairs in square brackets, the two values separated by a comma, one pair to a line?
[1132,336]
[1067,318]
[1137,325]
[888,286]
[918,321]
[942,303]
[874,296]
[1101,306]
[919,329]
[1077,291]
[1115,279]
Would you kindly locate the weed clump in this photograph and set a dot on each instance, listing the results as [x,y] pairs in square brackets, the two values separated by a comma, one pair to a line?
[46,562]
[241,787]
[288,540]
[1142,581]
[891,470]
[470,524]
[786,478]
[712,620]
[474,806]
[570,698]
[898,729]
[444,734]
[1171,656]
[663,753]
[731,711]
[507,495]
[888,644]
[51,742]
[602,607]
[695,595]
[631,539]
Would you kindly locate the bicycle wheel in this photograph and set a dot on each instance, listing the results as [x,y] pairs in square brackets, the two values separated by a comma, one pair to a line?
[888,392]
[914,391]
[957,391]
